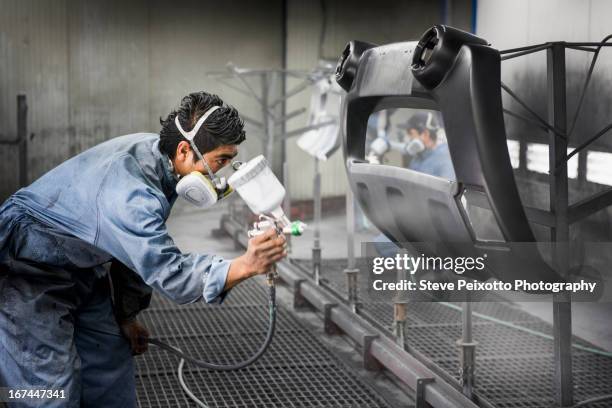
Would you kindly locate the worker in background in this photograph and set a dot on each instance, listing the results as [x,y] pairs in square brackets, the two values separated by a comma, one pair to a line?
[425,143]
[110,204]
[422,143]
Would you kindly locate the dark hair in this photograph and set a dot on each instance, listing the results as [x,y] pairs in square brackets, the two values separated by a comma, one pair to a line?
[419,121]
[222,127]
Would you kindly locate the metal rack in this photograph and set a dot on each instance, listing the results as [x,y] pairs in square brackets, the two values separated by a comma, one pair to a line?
[561,214]
[271,99]
[558,218]
[297,370]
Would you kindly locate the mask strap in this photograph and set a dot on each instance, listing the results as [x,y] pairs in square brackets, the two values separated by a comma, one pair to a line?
[193,132]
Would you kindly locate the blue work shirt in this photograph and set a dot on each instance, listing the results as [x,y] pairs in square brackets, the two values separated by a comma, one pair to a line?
[435,162]
[116,198]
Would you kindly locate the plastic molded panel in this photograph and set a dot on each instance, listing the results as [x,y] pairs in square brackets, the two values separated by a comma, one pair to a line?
[412,207]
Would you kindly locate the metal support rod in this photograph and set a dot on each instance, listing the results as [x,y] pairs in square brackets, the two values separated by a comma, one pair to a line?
[276,144]
[525,48]
[264,116]
[268,89]
[582,168]
[266,83]
[587,49]
[589,141]
[525,119]
[467,352]
[590,205]
[399,322]
[352,282]
[262,101]
[589,44]
[400,305]
[562,308]
[438,393]
[382,349]
[316,249]
[522,155]
[287,202]
[352,273]
[350,228]
[22,138]
[532,112]
[521,53]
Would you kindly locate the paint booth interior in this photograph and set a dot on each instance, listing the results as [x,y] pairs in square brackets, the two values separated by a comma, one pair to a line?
[445,129]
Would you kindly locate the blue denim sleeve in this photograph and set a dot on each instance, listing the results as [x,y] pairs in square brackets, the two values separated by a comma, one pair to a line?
[215,282]
[131,227]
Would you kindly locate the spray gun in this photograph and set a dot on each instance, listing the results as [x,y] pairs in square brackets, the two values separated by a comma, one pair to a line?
[264,194]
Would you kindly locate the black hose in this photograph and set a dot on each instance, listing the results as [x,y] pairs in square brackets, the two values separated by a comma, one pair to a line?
[205,364]
[229,367]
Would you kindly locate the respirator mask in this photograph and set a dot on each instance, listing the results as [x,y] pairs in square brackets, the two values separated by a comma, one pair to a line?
[416,145]
[196,188]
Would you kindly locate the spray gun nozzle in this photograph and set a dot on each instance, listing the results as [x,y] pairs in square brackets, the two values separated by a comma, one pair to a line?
[295,228]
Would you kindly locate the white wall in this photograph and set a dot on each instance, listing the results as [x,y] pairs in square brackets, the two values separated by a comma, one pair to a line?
[516,23]
[508,24]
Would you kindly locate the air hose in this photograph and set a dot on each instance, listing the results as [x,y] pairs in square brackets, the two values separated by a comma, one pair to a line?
[224,367]
[229,367]
[211,366]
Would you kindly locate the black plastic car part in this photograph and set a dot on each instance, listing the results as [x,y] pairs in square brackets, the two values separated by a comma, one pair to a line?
[349,61]
[445,42]
[457,74]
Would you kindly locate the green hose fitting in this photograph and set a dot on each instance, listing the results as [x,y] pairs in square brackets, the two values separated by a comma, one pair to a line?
[296,228]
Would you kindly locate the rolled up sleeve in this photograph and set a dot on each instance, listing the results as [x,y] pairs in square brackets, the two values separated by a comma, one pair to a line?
[214,281]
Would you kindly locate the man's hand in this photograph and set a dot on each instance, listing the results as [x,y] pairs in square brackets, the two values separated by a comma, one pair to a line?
[262,252]
[136,334]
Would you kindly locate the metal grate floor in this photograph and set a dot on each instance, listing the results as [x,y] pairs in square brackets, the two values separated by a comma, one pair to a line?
[514,369]
[296,371]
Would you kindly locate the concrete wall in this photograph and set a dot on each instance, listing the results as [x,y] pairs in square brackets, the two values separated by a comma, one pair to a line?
[34,60]
[378,22]
[98,69]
